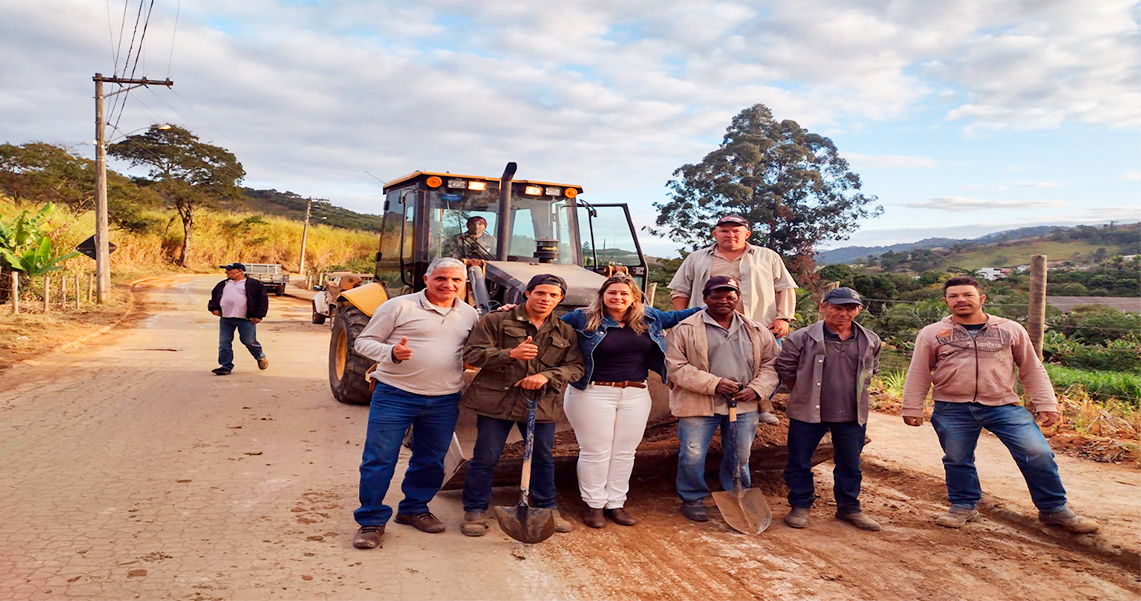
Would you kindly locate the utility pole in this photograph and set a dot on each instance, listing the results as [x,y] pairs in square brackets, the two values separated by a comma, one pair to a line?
[102,248]
[1036,314]
[305,236]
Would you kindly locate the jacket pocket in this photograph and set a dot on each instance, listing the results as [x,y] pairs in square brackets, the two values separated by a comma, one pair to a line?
[555,353]
[514,333]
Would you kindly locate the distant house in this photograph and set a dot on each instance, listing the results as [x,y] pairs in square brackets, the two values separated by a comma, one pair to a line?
[1126,304]
[992,273]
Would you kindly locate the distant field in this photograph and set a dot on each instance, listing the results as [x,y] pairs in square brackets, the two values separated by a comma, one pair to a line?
[1019,253]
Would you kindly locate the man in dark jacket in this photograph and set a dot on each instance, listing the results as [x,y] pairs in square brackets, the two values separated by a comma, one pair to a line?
[827,366]
[522,351]
[241,302]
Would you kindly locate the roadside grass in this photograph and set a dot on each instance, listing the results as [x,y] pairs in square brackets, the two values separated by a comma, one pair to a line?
[1107,386]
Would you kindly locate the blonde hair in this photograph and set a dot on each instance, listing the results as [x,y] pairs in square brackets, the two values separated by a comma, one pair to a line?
[635,317]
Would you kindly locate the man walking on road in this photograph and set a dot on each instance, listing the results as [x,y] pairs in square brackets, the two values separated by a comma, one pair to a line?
[524,351]
[242,303]
[828,366]
[417,341]
[715,358]
[971,358]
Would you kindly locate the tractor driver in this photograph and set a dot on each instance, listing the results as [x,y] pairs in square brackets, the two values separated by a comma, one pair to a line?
[475,243]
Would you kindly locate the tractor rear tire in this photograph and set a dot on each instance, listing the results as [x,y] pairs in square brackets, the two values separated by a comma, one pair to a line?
[347,368]
[317,317]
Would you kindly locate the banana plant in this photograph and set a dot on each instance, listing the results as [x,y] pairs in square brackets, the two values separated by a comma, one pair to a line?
[35,261]
[25,248]
[24,230]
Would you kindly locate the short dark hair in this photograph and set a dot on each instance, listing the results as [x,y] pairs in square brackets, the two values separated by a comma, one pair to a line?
[962,280]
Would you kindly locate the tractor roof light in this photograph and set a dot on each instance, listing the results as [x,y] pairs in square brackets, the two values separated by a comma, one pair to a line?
[533,190]
[570,192]
[434,182]
[478,186]
[457,183]
[554,191]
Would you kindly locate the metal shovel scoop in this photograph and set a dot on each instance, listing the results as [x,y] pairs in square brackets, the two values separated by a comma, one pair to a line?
[744,509]
[522,522]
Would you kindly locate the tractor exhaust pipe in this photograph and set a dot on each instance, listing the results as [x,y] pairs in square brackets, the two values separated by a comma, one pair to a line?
[503,242]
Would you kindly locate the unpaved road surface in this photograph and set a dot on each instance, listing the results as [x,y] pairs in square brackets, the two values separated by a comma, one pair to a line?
[131,472]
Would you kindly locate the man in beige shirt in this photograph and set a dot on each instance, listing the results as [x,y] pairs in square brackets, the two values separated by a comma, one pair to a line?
[768,292]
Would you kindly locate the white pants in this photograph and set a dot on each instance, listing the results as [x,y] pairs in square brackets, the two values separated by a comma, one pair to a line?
[608,423]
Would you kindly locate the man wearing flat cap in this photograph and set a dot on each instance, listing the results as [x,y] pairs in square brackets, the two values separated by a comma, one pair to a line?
[768,292]
[523,351]
[241,303]
[717,359]
[828,366]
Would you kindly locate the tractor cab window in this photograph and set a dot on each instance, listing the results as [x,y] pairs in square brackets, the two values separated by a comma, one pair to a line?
[539,226]
[464,225]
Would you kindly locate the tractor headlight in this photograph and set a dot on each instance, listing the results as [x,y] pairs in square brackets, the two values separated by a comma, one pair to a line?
[478,186]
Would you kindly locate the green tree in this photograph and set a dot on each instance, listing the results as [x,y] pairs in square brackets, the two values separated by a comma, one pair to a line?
[792,184]
[186,172]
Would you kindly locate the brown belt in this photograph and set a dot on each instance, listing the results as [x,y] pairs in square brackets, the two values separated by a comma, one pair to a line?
[621,384]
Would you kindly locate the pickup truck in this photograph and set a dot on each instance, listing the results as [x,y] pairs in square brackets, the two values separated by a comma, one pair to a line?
[270,275]
[336,282]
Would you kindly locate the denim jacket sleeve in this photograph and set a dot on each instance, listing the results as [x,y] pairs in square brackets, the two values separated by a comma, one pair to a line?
[669,319]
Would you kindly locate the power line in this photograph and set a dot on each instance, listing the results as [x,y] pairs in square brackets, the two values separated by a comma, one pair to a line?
[111,34]
[130,50]
[142,39]
[170,58]
[207,119]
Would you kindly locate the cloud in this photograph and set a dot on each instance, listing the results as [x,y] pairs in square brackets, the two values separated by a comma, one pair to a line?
[890,161]
[962,203]
[1131,175]
[1025,184]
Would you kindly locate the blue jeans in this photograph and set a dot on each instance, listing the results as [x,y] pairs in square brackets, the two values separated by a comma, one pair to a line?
[492,435]
[694,434]
[247,333]
[847,444]
[958,426]
[433,419]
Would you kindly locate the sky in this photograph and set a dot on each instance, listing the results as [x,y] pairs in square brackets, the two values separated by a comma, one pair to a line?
[961,117]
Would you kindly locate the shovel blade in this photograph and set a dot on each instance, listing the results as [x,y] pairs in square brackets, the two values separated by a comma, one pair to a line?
[526,524]
[745,510]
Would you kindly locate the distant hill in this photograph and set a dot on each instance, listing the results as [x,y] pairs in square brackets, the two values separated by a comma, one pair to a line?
[851,254]
[292,206]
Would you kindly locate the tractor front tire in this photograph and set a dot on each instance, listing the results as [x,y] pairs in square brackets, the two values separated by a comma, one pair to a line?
[347,368]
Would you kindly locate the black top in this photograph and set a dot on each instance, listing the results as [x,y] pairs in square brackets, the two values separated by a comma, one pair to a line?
[623,356]
[973,328]
[257,301]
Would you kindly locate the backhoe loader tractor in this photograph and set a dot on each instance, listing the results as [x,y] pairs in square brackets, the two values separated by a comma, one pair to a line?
[532,227]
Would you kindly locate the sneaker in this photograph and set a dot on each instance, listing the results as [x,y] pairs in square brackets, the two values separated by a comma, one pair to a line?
[475,523]
[797,517]
[221,371]
[957,517]
[859,520]
[368,537]
[765,417]
[562,525]
[619,515]
[263,363]
[695,511]
[1068,520]
[424,522]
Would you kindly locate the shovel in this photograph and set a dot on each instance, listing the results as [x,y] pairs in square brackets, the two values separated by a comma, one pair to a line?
[522,522]
[744,509]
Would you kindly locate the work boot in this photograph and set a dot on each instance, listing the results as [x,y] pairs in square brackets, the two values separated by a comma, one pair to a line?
[859,520]
[797,517]
[1070,521]
[474,524]
[263,363]
[619,515]
[765,417]
[221,371]
[368,537]
[562,525]
[593,517]
[424,522]
[957,517]
[695,511]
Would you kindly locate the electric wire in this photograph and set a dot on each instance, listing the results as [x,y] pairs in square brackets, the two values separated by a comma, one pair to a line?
[170,58]
[111,35]
[130,50]
[138,53]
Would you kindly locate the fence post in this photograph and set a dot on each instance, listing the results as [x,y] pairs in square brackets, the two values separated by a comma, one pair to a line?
[90,285]
[63,292]
[1036,316]
[77,291]
[47,293]
[15,289]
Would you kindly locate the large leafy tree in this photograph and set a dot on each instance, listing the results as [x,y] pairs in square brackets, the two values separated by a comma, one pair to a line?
[790,183]
[187,172]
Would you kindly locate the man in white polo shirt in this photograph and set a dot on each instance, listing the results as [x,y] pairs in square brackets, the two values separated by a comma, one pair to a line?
[417,341]
[241,303]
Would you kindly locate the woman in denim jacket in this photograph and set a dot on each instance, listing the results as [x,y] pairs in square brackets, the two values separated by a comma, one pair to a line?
[621,340]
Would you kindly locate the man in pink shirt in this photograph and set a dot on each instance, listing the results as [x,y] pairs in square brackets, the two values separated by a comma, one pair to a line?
[241,303]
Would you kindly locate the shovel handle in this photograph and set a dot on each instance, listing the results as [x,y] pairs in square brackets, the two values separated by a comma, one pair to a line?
[528,447]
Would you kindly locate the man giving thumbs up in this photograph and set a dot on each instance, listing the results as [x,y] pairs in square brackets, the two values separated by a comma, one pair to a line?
[417,341]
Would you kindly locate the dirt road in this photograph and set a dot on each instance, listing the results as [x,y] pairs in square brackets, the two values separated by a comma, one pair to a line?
[132,472]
